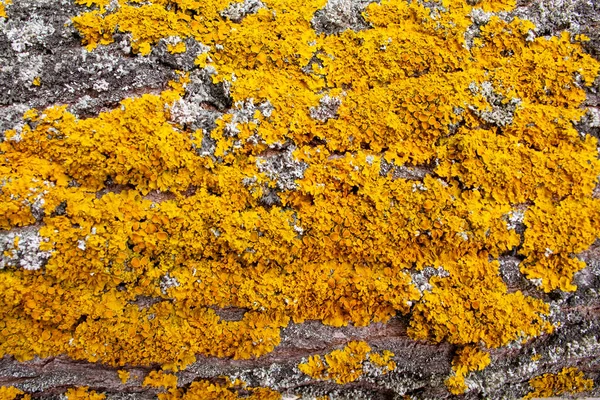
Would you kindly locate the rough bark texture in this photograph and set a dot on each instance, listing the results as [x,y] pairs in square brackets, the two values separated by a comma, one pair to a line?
[37,41]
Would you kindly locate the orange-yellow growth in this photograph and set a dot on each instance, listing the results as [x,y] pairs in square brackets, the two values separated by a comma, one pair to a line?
[132,211]
[123,375]
[228,391]
[83,393]
[346,365]
[224,389]
[11,393]
[160,379]
[568,381]
[3,4]
[466,360]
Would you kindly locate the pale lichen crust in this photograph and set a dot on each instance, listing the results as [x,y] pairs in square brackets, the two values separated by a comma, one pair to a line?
[340,165]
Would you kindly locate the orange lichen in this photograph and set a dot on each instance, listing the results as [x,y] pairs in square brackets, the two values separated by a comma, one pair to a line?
[346,365]
[177,48]
[466,360]
[123,375]
[3,4]
[383,361]
[568,381]
[229,391]
[472,306]
[556,231]
[128,209]
[224,389]
[83,393]
[159,379]
[12,393]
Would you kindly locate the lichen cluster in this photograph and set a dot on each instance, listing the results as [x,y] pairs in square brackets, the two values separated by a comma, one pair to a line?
[83,393]
[468,359]
[11,393]
[346,365]
[3,4]
[568,381]
[217,389]
[148,234]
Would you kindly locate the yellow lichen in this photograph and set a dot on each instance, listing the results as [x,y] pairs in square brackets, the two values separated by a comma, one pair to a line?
[466,360]
[96,3]
[83,393]
[568,381]
[3,4]
[179,47]
[346,365]
[383,361]
[159,379]
[222,389]
[146,215]
[123,375]
[11,393]
[556,231]
[472,306]
[228,391]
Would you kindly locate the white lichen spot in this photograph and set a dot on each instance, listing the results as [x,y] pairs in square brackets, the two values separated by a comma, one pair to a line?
[33,31]
[327,108]
[21,248]
[282,167]
[167,282]
[266,108]
[420,279]
[237,11]
[101,86]
[501,111]
[340,15]
[537,281]
[515,219]
[419,186]
[172,40]
[183,112]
